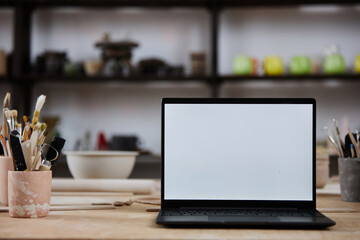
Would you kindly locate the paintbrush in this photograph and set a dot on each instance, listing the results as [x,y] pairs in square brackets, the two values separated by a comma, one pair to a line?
[332,140]
[37,159]
[357,150]
[33,138]
[18,154]
[14,114]
[6,105]
[27,129]
[3,143]
[27,132]
[338,133]
[39,104]
[26,148]
[18,127]
[333,133]
[8,119]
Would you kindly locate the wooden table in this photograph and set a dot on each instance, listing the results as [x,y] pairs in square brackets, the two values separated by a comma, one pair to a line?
[133,222]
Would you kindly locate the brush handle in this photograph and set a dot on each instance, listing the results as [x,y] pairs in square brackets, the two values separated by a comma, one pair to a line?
[352,139]
[57,144]
[17,152]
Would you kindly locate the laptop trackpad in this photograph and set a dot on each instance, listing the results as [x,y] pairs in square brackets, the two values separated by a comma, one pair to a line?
[242,219]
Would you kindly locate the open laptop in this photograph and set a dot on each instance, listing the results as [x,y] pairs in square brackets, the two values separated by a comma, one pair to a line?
[239,162]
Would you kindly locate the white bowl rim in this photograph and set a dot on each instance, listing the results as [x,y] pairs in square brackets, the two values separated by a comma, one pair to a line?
[101,153]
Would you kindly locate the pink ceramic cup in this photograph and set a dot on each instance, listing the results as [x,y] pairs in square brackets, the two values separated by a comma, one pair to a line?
[6,164]
[29,193]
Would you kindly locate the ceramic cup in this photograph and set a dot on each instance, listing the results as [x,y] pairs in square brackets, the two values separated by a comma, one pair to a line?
[6,164]
[349,171]
[273,66]
[322,170]
[92,68]
[29,193]
[242,65]
[3,66]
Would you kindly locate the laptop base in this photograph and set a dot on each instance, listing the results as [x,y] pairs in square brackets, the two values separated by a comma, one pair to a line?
[314,221]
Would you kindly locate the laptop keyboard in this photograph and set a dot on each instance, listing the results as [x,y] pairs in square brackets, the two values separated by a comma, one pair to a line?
[238,212]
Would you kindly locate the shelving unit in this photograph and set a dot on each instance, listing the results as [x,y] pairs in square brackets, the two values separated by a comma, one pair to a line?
[22,81]
[317,78]
[4,79]
[97,79]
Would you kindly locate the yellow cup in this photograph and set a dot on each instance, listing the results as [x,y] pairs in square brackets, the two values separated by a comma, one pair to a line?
[273,66]
[357,64]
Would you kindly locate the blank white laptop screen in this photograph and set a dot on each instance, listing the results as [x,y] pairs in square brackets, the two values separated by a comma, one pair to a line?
[238,151]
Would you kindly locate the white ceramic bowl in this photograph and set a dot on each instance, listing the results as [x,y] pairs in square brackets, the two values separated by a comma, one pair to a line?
[100,164]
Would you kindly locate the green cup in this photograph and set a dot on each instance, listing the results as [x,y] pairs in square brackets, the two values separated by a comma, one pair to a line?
[334,64]
[300,65]
[242,65]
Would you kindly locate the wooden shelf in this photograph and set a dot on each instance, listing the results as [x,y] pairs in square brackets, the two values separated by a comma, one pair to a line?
[4,79]
[166,3]
[317,78]
[100,79]
[107,3]
[277,3]
[207,79]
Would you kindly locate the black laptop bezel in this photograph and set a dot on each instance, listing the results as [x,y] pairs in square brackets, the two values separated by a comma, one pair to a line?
[237,203]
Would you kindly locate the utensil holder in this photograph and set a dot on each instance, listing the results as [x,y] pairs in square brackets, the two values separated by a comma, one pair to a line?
[349,172]
[6,164]
[29,193]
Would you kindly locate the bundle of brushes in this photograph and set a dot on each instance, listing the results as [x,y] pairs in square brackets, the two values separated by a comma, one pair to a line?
[25,143]
[350,147]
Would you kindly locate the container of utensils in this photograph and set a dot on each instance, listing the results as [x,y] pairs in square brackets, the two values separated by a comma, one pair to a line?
[349,173]
[6,164]
[26,162]
[29,193]
[349,161]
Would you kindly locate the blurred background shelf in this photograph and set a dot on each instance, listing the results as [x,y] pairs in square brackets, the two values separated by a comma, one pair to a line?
[309,78]
[172,30]
[99,79]
[4,79]
[165,3]
[107,3]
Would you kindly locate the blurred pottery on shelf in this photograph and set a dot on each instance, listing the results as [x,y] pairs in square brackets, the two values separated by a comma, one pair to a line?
[51,62]
[73,69]
[334,64]
[3,65]
[357,64]
[300,65]
[116,56]
[242,65]
[273,66]
[153,67]
[92,68]
[198,63]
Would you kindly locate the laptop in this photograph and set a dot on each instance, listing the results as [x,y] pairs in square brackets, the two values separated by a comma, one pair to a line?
[239,163]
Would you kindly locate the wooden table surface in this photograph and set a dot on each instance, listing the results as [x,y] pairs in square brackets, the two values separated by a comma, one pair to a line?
[133,222]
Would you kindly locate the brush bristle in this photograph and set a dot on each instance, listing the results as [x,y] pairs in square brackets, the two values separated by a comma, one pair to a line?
[7,113]
[43,127]
[40,102]
[7,100]
[14,113]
